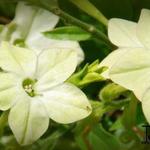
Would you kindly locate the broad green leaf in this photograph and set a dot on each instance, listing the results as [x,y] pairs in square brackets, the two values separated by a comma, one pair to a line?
[68,33]
[100,139]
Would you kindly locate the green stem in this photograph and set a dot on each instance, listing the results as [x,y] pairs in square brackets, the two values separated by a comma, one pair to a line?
[72,20]
[3,121]
[85,26]
[91,10]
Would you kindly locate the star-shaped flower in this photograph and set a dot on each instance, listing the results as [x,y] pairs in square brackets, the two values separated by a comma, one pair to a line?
[28,27]
[129,66]
[33,87]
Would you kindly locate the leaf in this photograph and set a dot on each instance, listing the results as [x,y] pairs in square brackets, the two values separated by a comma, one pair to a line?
[101,139]
[130,113]
[79,140]
[90,9]
[68,33]
[116,125]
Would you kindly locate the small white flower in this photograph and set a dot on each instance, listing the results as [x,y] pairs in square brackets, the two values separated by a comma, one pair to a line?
[129,66]
[33,88]
[29,24]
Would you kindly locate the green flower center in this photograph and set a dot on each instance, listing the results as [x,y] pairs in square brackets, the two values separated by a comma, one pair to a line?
[28,86]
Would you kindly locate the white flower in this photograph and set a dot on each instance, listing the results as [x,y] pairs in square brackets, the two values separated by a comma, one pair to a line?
[129,37]
[29,24]
[129,66]
[33,88]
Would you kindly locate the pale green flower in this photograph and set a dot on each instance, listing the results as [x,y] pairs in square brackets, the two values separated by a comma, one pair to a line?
[27,28]
[32,87]
[129,66]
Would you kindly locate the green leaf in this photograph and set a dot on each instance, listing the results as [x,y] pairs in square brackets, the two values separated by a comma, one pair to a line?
[129,114]
[90,9]
[87,75]
[81,143]
[68,33]
[101,139]
[116,125]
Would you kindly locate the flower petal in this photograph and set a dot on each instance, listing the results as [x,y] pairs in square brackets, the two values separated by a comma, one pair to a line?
[18,60]
[19,27]
[29,23]
[23,18]
[132,71]
[28,120]
[42,43]
[8,90]
[54,67]
[111,59]
[146,104]
[123,33]
[43,21]
[66,103]
[143,28]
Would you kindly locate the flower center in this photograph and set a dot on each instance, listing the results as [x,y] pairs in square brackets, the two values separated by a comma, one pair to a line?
[28,86]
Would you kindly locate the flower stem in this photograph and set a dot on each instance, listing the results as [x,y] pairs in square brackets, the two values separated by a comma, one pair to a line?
[72,20]
[85,26]
[91,10]
[3,121]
